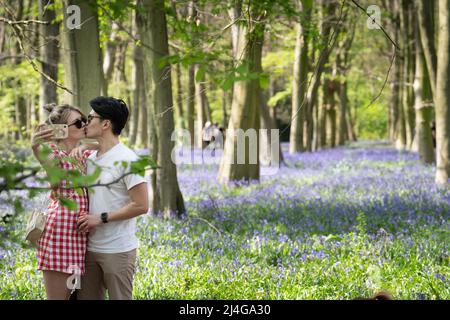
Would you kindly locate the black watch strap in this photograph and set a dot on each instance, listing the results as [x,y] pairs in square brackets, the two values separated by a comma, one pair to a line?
[104,217]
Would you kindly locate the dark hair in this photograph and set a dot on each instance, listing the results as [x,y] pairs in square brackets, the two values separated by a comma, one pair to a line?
[112,109]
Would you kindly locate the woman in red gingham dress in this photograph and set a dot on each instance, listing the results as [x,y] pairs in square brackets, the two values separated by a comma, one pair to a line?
[62,247]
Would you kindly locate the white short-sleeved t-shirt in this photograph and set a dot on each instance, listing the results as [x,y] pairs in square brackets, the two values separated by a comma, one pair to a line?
[114,236]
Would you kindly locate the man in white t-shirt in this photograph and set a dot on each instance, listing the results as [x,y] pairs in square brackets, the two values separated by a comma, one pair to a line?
[113,208]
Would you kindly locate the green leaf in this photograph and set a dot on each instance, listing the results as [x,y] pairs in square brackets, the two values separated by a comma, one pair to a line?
[70,204]
[228,83]
[200,75]
[264,80]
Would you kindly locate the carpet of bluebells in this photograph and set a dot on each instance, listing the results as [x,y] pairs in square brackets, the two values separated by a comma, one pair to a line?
[334,224]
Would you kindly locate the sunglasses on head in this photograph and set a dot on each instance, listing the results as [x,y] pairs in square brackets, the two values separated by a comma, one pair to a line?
[79,123]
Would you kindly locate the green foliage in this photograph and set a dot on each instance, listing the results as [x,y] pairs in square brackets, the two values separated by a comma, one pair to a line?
[15,81]
[109,11]
[279,96]
[372,122]
[15,174]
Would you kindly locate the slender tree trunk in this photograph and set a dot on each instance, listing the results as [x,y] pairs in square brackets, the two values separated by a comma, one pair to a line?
[200,108]
[331,115]
[28,116]
[110,56]
[224,109]
[317,128]
[20,106]
[443,96]
[21,117]
[394,100]
[136,70]
[2,39]
[325,27]
[400,139]
[34,118]
[272,90]
[267,122]
[120,77]
[423,136]
[408,71]
[400,142]
[342,66]
[49,57]
[141,106]
[300,82]
[167,193]
[425,11]
[321,130]
[190,103]
[181,115]
[343,103]
[350,126]
[82,57]
[142,128]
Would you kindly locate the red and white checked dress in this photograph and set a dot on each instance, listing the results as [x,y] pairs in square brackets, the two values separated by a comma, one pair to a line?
[62,247]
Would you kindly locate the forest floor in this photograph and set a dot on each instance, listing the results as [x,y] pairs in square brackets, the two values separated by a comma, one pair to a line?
[334,224]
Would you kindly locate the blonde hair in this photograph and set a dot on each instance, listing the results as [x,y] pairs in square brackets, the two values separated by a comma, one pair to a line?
[59,114]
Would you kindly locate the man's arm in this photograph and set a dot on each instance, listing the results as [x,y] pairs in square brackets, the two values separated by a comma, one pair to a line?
[78,151]
[137,206]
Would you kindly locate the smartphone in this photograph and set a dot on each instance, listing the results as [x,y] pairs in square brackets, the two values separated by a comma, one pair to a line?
[60,131]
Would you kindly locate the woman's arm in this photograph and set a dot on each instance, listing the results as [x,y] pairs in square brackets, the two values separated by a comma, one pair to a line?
[37,138]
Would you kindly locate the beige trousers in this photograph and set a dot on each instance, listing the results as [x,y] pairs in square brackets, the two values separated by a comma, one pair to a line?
[108,271]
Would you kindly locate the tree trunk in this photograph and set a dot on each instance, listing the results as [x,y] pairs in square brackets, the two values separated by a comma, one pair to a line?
[190,103]
[423,136]
[141,105]
[21,117]
[342,66]
[2,39]
[350,126]
[49,57]
[167,197]
[394,99]
[408,71]
[300,82]
[34,117]
[82,57]
[181,116]
[142,128]
[224,109]
[400,139]
[443,96]
[331,115]
[268,123]
[200,106]
[343,103]
[425,11]
[110,56]
[325,27]
[245,111]
[134,107]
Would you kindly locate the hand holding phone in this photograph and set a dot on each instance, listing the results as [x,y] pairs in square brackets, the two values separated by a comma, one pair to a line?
[60,131]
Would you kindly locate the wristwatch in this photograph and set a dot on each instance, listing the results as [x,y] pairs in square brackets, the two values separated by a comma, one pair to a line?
[104,217]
